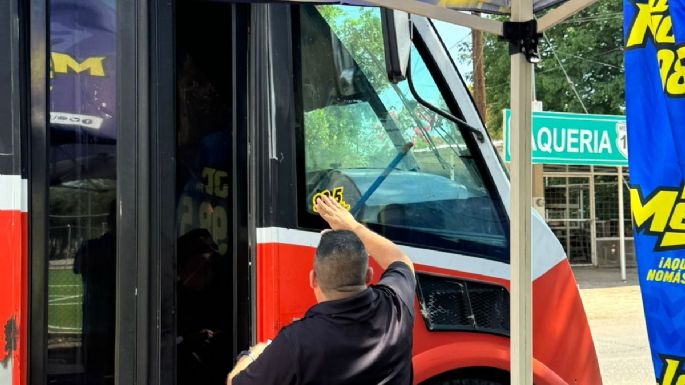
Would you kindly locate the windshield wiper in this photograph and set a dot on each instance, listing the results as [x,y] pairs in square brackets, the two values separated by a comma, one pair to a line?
[377,183]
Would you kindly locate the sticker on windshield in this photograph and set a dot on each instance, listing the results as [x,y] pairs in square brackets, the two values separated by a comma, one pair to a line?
[337,194]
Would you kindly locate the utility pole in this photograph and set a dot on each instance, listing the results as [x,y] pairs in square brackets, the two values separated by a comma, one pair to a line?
[477,59]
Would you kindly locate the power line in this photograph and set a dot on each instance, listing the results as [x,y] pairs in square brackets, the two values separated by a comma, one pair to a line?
[556,68]
[591,61]
[608,16]
[459,41]
[590,58]
[568,78]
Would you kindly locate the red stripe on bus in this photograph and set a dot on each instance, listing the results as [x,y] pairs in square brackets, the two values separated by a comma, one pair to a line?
[562,340]
[13,301]
[22,362]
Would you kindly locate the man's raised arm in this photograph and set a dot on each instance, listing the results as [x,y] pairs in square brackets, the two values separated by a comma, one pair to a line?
[382,250]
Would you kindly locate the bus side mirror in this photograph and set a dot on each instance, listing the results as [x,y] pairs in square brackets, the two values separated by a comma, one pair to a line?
[396,42]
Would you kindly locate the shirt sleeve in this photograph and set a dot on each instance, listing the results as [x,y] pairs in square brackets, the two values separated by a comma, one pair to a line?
[275,366]
[401,280]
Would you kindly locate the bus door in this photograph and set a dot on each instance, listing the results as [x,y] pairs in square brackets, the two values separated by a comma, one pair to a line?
[210,191]
[139,182]
[78,264]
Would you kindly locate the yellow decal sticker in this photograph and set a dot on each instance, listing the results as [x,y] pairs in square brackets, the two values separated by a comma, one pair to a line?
[62,63]
[672,372]
[337,194]
[652,21]
[206,211]
[216,182]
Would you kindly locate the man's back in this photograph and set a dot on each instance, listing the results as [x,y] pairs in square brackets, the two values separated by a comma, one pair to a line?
[363,339]
[356,334]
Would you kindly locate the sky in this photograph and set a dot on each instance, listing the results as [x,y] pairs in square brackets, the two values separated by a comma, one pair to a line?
[453,36]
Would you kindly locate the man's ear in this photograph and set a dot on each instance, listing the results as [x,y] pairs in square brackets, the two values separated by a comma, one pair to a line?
[369,275]
[312,279]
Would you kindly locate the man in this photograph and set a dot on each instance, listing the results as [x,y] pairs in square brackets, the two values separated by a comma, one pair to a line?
[355,334]
[96,262]
[203,348]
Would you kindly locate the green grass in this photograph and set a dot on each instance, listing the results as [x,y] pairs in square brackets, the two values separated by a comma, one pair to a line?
[65,299]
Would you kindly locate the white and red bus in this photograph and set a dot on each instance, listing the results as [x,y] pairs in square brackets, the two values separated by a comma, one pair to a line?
[158,164]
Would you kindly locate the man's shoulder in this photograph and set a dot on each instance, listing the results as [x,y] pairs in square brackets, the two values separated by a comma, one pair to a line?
[400,266]
[399,280]
[398,274]
[299,328]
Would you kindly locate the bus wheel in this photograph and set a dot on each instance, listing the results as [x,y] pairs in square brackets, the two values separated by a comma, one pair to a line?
[471,376]
[468,381]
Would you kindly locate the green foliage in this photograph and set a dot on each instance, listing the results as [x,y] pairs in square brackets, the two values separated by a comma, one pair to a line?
[339,136]
[590,47]
[78,212]
[359,29]
[351,129]
[341,124]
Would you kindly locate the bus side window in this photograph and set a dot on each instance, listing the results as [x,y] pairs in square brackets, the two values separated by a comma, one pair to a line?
[356,128]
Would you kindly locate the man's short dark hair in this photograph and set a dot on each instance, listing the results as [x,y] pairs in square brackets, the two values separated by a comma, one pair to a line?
[341,262]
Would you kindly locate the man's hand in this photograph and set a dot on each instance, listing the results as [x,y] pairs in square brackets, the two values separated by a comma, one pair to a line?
[336,215]
[245,361]
[258,349]
[382,250]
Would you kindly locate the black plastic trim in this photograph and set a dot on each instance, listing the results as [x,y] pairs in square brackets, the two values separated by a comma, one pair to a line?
[523,37]
[284,163]
[38,11]
[133,194]
[474,374]
[11,79]
[242,227]
[444,114]
[162,292]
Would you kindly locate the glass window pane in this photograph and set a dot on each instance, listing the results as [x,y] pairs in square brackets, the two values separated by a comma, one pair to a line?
[204,219]
[605,170]
[82,192]
[554,168]
[574,168]
[399,166]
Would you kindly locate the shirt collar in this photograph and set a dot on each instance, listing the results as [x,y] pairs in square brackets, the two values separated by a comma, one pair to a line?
[360,300]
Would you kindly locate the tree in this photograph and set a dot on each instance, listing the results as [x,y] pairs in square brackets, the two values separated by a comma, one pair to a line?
[341,123]
[589,46]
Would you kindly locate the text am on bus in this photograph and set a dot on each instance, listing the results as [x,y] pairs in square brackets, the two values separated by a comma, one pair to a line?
[158,166]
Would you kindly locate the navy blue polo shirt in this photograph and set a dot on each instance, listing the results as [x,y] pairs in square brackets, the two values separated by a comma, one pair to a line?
[363,339]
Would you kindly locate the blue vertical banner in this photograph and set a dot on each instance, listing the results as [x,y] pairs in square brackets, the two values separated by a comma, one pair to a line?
[654,33]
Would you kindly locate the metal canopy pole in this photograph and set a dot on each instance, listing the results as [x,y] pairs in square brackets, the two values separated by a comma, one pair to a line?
[621,225]
[561,13]
[521,190]
[437,12]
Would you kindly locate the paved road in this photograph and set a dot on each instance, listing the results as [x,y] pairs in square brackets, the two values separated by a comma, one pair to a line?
[614,311]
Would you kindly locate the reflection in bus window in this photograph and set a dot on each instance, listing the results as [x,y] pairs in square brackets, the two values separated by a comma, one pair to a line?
[405,170]
[204,329]
[82,192]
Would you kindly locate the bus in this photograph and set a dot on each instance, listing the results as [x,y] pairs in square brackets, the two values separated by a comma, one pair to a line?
[158,167]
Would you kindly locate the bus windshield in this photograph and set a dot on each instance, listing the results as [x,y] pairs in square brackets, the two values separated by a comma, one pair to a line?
[356,122]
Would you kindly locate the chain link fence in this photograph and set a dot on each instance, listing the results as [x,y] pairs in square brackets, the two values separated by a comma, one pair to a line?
[68,233]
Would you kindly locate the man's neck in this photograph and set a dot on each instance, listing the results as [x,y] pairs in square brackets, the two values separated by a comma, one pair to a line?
[335,295]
